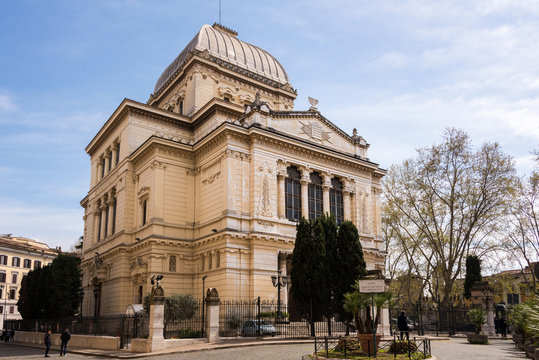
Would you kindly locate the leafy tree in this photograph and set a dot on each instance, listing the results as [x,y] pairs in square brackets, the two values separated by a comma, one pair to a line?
[349,264]
[522,244]
[308,274]
[51,291]
[473,274]
[445,203]
[309,269]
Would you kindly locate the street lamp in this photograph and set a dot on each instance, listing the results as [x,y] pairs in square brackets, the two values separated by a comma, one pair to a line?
[203,300]
[278,282]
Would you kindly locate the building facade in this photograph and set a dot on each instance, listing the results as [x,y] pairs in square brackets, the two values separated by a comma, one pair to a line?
[17,257]
[206,181]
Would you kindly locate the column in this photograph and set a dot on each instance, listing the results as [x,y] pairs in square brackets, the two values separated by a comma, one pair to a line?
[96,224]
[282,267]
[305,180]
[325,192]
[281,202]
[157,319]
[104,206]
[111,213]
[346,203]
[212,311]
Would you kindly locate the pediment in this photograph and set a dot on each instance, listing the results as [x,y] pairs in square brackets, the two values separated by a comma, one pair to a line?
[312,127]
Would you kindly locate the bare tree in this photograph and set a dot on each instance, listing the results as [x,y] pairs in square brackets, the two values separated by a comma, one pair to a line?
[445,203]
[523,239]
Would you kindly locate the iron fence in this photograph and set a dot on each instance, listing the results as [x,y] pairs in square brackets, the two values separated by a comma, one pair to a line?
[410,347]
[268,318]
[120,325]
[435,321]
[183,319]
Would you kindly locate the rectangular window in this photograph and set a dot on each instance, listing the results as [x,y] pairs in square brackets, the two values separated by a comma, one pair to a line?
[99,228]
[37,264]
[12,294]
[113,230]
[102,168]
[106,223]
[16,261]
[110,161]
[144,205]
[293,199]
[3,259]
[11,309]
[1,309]
[117,153]
[218,260]
[2,277]
[27,263]
[172,263]
[14,278]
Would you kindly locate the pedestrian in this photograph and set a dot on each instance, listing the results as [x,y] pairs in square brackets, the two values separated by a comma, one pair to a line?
[402,323]
[503,326]
[12,335]
[6,335]
[47,343]
[65,339]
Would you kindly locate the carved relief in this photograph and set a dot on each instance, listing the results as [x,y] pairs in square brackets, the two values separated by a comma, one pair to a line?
[264,208]
[315,131]
[364,218]
[211,174]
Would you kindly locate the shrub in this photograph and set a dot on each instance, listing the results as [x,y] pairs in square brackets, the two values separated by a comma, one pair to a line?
[401,347]
[477,318]
[351,344]
[188,334]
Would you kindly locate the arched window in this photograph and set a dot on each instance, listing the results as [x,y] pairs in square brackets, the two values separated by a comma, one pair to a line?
[293,194]
[336,200]
[316,201]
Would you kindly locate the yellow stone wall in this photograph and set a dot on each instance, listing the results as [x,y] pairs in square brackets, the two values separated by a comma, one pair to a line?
[210,177]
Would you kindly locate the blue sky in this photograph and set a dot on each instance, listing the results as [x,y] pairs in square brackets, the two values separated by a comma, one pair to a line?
[399,71]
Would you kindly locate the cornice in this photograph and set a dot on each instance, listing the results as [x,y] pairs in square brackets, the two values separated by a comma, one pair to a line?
[225,68]
[126,106]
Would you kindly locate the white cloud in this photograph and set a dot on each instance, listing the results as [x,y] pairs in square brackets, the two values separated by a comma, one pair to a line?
[7,103]
[53,225]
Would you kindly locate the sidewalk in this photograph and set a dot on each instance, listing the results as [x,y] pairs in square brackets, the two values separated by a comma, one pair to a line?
[125,354]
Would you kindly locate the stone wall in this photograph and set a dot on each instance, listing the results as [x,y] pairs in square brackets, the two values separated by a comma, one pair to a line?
[84,341]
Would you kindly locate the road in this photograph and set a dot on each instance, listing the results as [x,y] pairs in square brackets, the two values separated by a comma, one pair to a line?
[454,349]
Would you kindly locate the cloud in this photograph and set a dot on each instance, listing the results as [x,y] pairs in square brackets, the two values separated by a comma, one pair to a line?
[53,225]
[6,103]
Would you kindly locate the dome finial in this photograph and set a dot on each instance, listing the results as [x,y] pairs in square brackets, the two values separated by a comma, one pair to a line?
[224,29]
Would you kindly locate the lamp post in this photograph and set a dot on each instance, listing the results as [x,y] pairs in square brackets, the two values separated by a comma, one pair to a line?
[203,300]
[278,282]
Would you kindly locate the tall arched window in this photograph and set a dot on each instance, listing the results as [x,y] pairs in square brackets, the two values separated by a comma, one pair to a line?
[336,200]
[293,194]
[316,201]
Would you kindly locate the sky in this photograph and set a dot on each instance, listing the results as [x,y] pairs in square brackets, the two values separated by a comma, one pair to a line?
[398,71]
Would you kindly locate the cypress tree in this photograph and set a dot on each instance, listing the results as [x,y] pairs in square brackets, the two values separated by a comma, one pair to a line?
[473,274]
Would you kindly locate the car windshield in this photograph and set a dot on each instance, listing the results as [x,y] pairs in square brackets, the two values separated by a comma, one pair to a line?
[263,322]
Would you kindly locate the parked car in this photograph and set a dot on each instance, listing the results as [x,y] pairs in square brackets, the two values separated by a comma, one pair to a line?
[250,328]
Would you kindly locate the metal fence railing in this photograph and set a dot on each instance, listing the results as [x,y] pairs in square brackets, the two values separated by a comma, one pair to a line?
[120,325]
[183,321]
[268,318]
[391,348]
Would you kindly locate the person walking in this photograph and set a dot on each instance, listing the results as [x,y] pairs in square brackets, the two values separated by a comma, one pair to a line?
[503,326]
[402,323]
[65,337]
[47,343]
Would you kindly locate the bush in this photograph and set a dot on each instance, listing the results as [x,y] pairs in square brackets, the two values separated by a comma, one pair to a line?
[477,318]
[351,344]
[188,334]
[401,347]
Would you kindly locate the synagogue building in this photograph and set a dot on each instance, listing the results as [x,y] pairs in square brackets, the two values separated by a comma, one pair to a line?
[207,180]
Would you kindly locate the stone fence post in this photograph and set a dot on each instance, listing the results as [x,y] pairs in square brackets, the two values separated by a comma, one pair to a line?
[157,319]
[212,309]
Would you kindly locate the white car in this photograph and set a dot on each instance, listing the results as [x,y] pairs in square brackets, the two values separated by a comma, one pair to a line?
[250,328]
